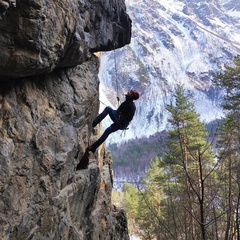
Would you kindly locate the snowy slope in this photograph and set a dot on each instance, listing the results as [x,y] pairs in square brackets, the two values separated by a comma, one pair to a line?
[173,41]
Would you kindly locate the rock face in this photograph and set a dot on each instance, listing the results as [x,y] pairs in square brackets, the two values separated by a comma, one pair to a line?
[38,36]
[50,187]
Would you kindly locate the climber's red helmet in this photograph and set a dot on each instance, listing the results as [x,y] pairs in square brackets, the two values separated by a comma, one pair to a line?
[133,94]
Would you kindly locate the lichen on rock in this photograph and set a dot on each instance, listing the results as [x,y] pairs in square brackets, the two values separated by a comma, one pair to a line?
[49,93]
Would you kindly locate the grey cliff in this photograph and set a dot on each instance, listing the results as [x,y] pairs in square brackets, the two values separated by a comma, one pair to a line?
[39,36]
[50,187]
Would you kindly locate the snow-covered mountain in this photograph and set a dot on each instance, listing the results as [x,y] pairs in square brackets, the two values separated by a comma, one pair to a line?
[173,41]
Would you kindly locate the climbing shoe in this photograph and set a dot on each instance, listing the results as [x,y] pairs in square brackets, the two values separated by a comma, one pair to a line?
[97,120]
[91,149]
[83,164]
[95,123]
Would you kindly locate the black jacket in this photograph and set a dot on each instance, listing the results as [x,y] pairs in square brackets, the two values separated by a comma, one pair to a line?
[126,111]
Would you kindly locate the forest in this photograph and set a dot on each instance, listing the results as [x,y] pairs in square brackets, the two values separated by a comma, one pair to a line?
[191,190]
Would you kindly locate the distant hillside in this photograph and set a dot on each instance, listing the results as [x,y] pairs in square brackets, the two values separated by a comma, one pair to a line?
[131,159]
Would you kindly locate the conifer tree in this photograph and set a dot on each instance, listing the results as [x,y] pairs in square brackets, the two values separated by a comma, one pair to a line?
[149,217]
[176,201]
[189,193]
[229,149]
[130,203]
[191,160]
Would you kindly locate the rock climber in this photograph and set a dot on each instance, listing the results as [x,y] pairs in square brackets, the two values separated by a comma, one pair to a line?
[120,117]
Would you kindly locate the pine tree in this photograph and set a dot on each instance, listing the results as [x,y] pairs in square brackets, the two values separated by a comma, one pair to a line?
[229,149]
[130,204]
[149,217]
[176,201]
[191,159]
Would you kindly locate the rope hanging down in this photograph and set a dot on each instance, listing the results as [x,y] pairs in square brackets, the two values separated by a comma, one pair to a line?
[116,76]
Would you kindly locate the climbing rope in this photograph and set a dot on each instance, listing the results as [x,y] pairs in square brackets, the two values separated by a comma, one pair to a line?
[116,75]
[103,103]
[117,84]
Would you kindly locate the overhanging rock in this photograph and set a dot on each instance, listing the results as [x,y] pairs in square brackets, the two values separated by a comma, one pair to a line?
[39,36]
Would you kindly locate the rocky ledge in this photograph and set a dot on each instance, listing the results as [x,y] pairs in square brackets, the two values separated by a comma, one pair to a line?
[49,90]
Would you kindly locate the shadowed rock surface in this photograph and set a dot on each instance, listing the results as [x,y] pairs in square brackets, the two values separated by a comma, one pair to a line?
[50,187]
[39,36]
